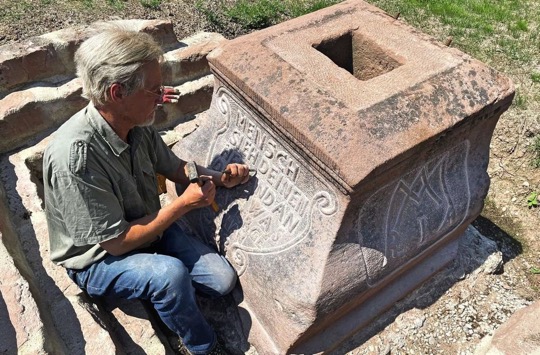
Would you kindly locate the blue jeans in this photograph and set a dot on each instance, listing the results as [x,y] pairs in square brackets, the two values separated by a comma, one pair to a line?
[167,274]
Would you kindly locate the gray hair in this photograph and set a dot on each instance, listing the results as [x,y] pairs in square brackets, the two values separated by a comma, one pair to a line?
[114,55]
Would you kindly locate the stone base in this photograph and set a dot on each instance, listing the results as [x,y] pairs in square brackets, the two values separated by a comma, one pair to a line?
[367,309]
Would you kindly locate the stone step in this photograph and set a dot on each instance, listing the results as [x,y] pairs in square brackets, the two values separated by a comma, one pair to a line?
[27,113]
[189,61]
[82,324]
[195,97]
[50,57]
[21,327]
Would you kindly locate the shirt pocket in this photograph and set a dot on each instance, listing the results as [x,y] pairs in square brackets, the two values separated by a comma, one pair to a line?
[130,199]
[149,183]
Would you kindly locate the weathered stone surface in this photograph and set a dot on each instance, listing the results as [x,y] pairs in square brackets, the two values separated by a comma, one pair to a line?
[370,143]
[21,328]
[26,113]
[519,335]
[46,57]
[195,97]
[479,254]
[189,61]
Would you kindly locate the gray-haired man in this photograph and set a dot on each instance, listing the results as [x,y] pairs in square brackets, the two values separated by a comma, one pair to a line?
[106,225]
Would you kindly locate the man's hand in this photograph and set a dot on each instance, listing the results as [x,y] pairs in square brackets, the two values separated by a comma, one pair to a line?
[235,174]
[196,196]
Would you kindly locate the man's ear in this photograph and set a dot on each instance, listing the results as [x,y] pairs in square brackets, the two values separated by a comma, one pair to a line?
[116,92]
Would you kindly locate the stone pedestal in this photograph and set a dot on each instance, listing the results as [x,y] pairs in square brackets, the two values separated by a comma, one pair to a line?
[371,143]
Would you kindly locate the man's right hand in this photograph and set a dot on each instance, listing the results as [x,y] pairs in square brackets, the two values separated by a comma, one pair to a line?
[196,196]
[145,229]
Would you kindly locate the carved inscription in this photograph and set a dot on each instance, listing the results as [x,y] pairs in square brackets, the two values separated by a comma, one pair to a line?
[279,213]
[403,218]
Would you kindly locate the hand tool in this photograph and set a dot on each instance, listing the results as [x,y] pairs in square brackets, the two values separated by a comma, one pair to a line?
[193,176]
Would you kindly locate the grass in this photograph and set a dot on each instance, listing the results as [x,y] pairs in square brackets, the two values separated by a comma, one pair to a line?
[535,77]
[15,10]
[493,31]
[151,4]
[242,16]
[502,33]
[536,150]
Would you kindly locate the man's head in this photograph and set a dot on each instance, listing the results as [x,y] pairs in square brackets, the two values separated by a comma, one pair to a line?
[115,56]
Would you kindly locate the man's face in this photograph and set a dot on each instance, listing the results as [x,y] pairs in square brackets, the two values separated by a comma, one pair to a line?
[140,105]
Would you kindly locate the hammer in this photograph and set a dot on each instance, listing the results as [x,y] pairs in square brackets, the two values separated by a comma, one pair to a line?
[193,176]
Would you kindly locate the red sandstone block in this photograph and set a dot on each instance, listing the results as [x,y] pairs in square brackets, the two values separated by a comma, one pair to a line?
[30,60]
[519,335]
[25,114]
[195,97]
[21,327]
[371,144]
[161,30]
[43,58]
[189,62]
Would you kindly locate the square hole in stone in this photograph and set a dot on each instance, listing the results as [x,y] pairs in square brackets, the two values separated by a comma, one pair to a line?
[359,56]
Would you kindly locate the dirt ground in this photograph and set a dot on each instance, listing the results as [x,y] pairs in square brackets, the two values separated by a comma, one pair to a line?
[506,219]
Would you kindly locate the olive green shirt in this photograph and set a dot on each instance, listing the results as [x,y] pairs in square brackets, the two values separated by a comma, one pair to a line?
[96,184]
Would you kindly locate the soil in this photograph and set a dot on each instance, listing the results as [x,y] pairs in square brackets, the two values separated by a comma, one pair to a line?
[462,309]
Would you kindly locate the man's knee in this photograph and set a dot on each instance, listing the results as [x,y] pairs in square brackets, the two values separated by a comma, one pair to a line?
[170,273]
[225,280]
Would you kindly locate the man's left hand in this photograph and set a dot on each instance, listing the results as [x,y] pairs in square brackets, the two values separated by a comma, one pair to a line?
[235,174]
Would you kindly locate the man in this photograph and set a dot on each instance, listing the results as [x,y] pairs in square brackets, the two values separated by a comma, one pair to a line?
[106,225]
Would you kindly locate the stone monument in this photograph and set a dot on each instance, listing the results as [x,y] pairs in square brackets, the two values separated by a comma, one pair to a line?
[371,143]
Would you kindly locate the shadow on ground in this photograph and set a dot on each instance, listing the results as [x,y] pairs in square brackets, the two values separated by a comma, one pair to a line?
[476,246]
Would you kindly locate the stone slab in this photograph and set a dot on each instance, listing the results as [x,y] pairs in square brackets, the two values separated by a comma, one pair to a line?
[51,55]
[21,328]
[520,334]
[189,61]
[27,113]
